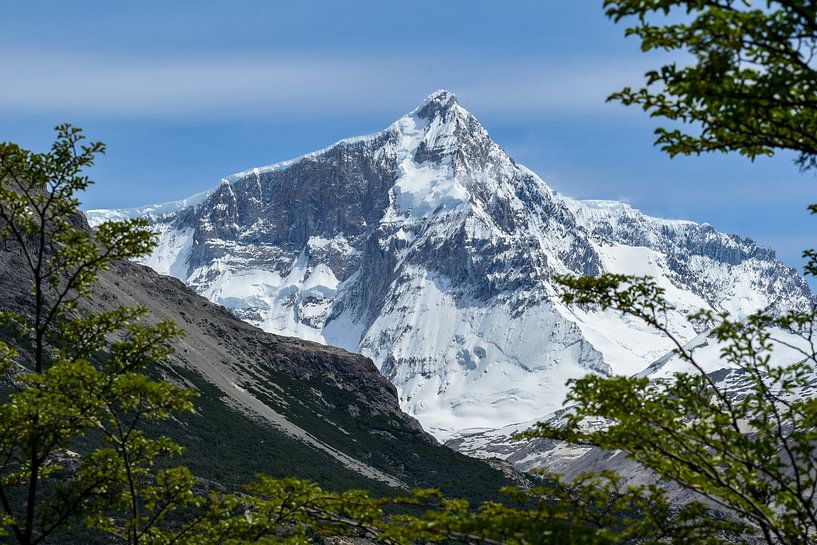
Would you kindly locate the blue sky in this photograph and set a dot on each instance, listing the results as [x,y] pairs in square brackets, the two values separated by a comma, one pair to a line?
[184,93]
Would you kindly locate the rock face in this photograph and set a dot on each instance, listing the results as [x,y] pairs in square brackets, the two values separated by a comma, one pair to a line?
[427,248]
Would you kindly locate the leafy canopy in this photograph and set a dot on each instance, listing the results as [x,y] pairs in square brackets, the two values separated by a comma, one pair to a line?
[75,374]
[750,84]
[743,440]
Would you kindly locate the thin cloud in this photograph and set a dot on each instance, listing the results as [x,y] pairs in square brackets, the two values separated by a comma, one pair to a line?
[223,87]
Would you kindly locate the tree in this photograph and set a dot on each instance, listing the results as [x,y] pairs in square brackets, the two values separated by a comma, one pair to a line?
[74,372]
[596,510]
[751,87]
[747,446]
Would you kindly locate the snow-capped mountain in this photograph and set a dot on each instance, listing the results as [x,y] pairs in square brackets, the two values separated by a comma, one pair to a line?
[427,248]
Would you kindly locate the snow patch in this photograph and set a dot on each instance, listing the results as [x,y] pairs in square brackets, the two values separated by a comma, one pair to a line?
[97,215]
[172,251]
[422,189]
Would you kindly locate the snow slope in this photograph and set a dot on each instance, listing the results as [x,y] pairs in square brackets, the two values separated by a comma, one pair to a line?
[786,347]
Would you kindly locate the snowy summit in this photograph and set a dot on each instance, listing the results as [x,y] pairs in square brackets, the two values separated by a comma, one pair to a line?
[427,248]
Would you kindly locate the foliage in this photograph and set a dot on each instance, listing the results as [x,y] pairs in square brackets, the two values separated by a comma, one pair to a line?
[746,444]
[75,372]
[594,510]
[744,441]
[743,77]
[591,509]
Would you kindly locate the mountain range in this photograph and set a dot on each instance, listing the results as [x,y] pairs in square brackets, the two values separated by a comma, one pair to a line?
[427,248]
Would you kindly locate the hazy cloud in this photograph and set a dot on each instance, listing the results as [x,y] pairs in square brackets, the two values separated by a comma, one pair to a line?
[245,85]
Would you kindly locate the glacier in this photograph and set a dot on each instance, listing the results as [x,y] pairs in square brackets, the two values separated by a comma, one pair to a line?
[429,249]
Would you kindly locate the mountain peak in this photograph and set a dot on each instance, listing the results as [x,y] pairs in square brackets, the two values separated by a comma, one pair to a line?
[436,103]
[440,96]
[440,127]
